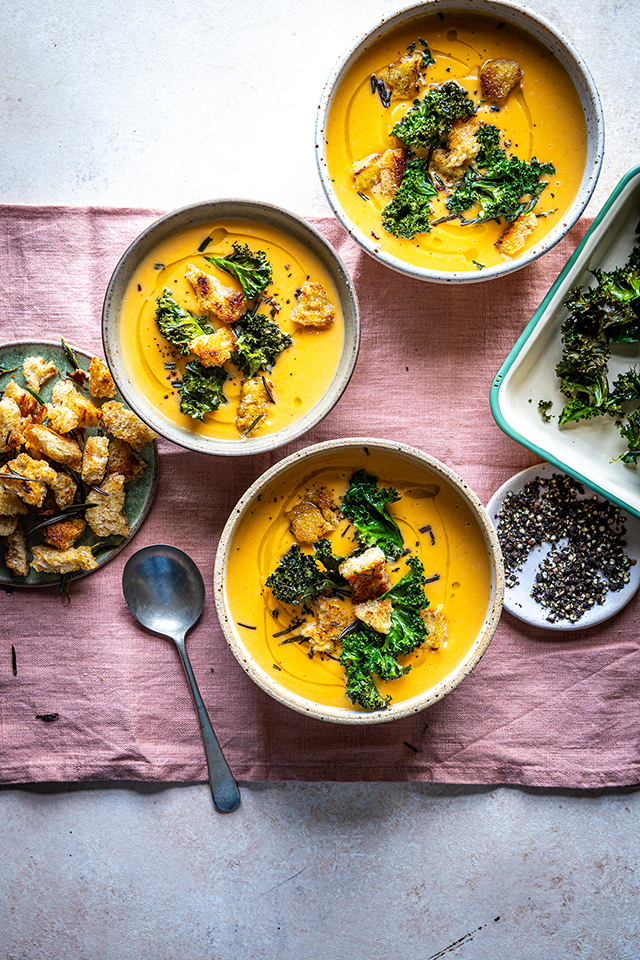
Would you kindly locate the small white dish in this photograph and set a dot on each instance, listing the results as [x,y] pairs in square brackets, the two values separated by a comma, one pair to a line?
[518,600]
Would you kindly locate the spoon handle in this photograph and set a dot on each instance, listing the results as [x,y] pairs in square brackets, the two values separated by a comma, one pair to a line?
[224,789]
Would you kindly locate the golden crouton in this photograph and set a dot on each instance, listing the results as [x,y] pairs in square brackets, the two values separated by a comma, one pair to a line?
[37,370]
[516,235]
[253,404]
[313,307]
[125,425]
[403,76]
[60,419]
[436,625]
[65,394]
[313,516]
[7,525]
[94,459]
[462,146]
[213,349]
[219,301]
[101,383]
[42,440]
[330,619]
[11,505]
[64,533]
[38,475]
[380,169]
[10,417]
[124,461]
[367,574]
[51,560]
[63,488]
[108,518]
[498,79]
[15,552]
[28,404]
[375,613]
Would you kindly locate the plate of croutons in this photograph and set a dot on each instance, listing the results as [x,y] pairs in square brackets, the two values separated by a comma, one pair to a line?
[78,468]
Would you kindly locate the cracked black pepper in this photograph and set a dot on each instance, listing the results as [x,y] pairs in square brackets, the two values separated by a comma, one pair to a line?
[587,538]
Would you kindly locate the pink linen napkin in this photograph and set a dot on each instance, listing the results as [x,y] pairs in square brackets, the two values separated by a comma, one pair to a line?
[537,710]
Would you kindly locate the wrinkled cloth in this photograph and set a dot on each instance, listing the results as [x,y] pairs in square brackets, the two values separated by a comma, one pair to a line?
[538,709]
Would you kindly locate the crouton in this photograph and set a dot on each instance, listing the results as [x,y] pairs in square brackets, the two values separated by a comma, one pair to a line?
[101,383]
[39,474]
[313,307]
[37,370]
[513,239]
[10,417]
[313,516]
[403,76]
[383,170]
[64,533]
[253,404]
[28,404]
[462,146]
[63,488]
[436,625]
[7,525]
[60,419]
[125,425]
[225,303]
[43,440]
[15,552]
[213,349]
[375,613]
[367,574]
[124,461]
[65,394]
[48,559]
[498,78]
[330,619]
[11,505]
[108,518]
[94,459]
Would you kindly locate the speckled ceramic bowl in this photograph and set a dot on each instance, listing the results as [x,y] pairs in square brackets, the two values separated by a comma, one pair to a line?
[189,434]
[551,39]
[255,537]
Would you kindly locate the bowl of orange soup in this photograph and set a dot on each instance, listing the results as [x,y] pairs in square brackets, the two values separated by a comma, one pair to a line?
[458,141]
[358,581]
[231,327]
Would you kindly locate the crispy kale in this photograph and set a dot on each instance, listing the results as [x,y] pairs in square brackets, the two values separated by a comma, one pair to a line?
[507,186]
[611,309]
[356,660]
[301,577]
[583,377]
[626,386]
[258,343]
[428,122]
[408,600]
[177,325]
[630,431]
[202,389]
[365,504]
[253,270]
[409,211]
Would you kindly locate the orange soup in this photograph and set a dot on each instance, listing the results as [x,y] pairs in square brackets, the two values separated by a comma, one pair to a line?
[542,117]
[302,372]
[437,526]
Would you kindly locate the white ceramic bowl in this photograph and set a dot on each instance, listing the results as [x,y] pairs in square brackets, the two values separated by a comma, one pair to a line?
[203,213]
[238,566]
[549,37]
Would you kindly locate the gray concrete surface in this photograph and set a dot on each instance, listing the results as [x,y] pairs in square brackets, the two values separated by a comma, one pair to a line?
[161,103]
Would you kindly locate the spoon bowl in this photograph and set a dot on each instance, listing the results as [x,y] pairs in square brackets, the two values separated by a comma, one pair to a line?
[165,592]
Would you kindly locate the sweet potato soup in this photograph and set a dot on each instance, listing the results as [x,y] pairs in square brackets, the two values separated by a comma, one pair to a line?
[437,526]
[302,372]
[541,117]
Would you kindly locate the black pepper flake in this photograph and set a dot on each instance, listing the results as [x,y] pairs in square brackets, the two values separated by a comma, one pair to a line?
[411,747]
[587,540]
[14,661]
[47,717]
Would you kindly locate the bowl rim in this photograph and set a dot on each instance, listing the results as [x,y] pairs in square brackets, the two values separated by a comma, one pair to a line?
[418,702]
[241,209]
[521,17]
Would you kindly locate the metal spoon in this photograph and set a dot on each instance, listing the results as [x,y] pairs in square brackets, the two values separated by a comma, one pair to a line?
[165,591]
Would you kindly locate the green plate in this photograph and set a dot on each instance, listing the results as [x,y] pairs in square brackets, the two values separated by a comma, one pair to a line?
[139,492]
